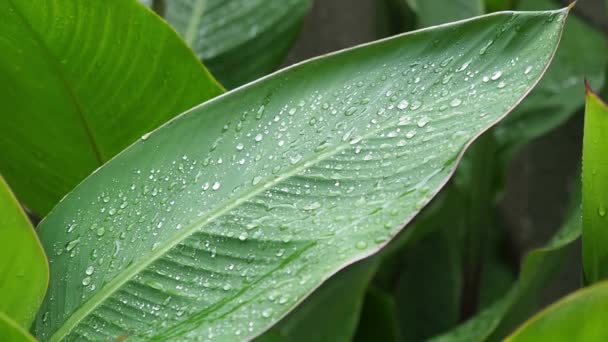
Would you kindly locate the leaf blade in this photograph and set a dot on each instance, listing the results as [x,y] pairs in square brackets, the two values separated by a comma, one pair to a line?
[228,210]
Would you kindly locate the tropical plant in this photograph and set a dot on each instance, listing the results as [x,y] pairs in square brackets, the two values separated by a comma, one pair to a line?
[283,210]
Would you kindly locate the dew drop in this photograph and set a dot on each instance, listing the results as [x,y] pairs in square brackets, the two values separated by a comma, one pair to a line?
[601,211]
[403,104]
[243,236]
[239,147]
[72,244]
[266,313]
[415,105]
[256,180]
[423,121]
[361,244]
[496,75]
[216,186]
[89,270]
[86,281]
[146,136]
[350,111]
[455,102]
[258,137]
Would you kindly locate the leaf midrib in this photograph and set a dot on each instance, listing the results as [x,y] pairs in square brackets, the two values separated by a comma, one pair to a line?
[54,63]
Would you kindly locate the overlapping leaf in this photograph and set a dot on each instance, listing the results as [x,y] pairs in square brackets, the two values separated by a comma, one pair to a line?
[239,40]
[223,220]
[23,266]
[80,81]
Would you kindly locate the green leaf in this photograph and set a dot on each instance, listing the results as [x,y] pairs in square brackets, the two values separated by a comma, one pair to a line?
[270,189]
[428,289]
[435,12]
[239,40]
[331,313]
[558,95]
[82,80]
[581,316]
[378,319]
[24,273]
[538,266]
[12,332]
[595,183]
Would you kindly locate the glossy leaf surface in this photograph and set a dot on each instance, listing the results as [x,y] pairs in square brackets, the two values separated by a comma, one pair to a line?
[24,273]
[580,316]
[595,183]
[239,40]
[258,196]
[82,80]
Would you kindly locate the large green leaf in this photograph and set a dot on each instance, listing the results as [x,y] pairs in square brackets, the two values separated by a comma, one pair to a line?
[223,220]
[11,331]
[81,80]
[538,266]
[559,95]
[239,40]
[595,183]
[580,316]
[24,273]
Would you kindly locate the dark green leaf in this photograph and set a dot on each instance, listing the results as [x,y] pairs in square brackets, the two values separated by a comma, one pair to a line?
[331,313]
[81,80]
[224,219]
[538,266]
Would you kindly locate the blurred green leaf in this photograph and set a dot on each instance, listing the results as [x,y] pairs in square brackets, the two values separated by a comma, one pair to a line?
[435,12]
[581,316]
[595,183]
[10,331]
[428,290]
[583,53]
[81,80]
[538,267]
[270,189]
[378,321]
[239,40]
[24,273]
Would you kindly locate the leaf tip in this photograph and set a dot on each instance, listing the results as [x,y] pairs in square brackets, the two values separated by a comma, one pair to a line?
[571,5]
[589,92]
